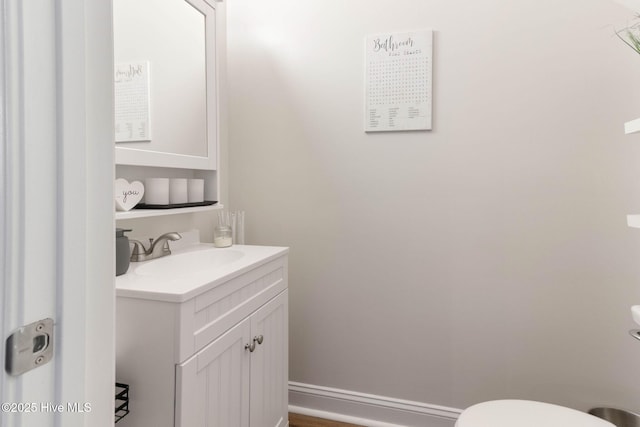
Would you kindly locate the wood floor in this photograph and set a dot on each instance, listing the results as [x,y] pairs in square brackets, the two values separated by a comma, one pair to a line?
[296,420]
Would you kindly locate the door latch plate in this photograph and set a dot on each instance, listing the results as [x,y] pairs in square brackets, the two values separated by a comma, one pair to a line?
[29,347]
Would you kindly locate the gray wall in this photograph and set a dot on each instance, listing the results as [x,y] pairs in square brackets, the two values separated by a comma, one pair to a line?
[488,258]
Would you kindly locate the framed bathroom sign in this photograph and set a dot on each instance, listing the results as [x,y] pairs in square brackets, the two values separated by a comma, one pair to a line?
[398,81]
[132,111]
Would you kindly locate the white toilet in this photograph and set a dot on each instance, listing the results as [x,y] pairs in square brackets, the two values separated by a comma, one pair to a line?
[526,413]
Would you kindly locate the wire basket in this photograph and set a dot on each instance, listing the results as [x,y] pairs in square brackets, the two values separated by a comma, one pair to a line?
[122,401]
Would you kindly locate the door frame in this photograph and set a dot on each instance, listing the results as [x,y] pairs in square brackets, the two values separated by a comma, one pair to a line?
[82,370]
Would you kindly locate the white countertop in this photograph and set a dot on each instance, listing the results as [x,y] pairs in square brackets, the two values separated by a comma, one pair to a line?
[191,271]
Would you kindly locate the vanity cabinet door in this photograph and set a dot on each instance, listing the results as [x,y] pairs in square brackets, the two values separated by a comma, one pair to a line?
[269,364]
[212,387]
[227,385]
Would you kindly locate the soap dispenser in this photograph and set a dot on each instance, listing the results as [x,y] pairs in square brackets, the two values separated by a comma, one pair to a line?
[123,252]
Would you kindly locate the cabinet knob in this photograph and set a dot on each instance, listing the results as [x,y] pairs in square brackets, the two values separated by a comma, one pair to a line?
[251,347]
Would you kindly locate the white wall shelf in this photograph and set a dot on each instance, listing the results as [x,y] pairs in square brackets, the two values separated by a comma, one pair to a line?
[147,213]
[633,221]
[632,127]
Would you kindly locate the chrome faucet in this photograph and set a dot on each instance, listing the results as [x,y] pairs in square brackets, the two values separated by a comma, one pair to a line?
[157,248]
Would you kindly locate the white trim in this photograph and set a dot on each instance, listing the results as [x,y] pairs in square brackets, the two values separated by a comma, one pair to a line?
[338,417]
[99,377]
[4,197]
[328,403]
[140,157]
[70,359]
[147,213]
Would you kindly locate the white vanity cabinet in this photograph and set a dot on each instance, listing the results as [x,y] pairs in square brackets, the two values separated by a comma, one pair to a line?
[226,384]
[190,363]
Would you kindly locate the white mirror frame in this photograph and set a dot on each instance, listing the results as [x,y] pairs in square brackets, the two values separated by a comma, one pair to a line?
[141,157]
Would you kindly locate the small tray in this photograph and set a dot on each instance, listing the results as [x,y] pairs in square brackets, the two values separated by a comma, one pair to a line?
[176,205]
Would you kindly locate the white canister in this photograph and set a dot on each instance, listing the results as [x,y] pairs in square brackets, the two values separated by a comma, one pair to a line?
[156,191]
[196,190]
[177,191]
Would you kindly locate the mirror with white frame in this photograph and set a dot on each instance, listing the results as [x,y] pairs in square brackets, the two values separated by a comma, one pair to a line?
[176,42]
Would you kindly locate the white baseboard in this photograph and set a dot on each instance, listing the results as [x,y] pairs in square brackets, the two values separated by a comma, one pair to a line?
[366,409]
[339,417]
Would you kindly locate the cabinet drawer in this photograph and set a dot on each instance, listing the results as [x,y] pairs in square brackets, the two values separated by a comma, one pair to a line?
[210,314]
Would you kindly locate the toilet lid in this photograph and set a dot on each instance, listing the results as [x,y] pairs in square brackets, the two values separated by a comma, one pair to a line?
[526,413]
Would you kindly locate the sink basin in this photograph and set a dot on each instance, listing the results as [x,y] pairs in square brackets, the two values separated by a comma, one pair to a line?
[177,265]
[191,270]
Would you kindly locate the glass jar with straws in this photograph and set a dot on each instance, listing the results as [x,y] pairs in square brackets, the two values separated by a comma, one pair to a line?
[222,236]
[230,229]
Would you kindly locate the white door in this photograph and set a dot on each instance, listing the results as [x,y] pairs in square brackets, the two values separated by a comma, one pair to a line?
[269,364]
[212,387]
[54,231]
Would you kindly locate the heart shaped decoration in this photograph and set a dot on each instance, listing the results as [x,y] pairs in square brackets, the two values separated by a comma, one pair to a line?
[127,194]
